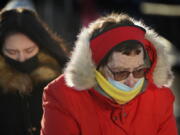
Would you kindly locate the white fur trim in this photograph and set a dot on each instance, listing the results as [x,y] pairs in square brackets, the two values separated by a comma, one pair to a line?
[80,71]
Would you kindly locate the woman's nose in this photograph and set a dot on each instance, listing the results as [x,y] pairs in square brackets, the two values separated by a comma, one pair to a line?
[130,81]
[21,57]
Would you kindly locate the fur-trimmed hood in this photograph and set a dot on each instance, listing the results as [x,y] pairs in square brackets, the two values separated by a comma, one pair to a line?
[80,70]
[11,80]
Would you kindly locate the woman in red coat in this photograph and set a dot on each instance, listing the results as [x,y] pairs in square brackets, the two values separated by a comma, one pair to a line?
[116,83]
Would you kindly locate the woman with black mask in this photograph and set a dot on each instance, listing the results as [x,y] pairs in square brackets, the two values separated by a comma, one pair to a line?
[31,56]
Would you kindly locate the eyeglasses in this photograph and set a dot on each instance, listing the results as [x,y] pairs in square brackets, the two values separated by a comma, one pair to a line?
[121,75]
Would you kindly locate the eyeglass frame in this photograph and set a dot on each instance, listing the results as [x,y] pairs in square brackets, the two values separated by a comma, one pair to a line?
[128,73]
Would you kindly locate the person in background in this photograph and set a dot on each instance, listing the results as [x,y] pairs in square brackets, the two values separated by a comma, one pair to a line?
[116,83]
[31,56]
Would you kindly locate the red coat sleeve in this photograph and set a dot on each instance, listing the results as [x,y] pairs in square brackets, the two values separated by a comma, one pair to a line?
[56,120]
[167,118]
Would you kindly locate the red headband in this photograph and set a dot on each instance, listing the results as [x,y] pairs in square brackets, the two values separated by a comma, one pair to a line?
[103,43]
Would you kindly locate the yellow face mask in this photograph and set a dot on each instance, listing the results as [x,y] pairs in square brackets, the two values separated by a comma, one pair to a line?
[118,95]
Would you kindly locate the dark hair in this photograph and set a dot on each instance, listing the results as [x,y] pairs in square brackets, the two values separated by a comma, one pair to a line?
[29,23]
[110,25]
[126,47]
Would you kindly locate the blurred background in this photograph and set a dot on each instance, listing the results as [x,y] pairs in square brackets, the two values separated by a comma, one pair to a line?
[66,17]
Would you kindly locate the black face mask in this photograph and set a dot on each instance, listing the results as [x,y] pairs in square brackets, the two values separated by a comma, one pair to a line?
[26,67]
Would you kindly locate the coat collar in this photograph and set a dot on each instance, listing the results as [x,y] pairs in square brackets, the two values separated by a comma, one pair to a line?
[12,80]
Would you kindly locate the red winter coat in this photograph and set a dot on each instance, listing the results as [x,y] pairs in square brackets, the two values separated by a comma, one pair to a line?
[71,112]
